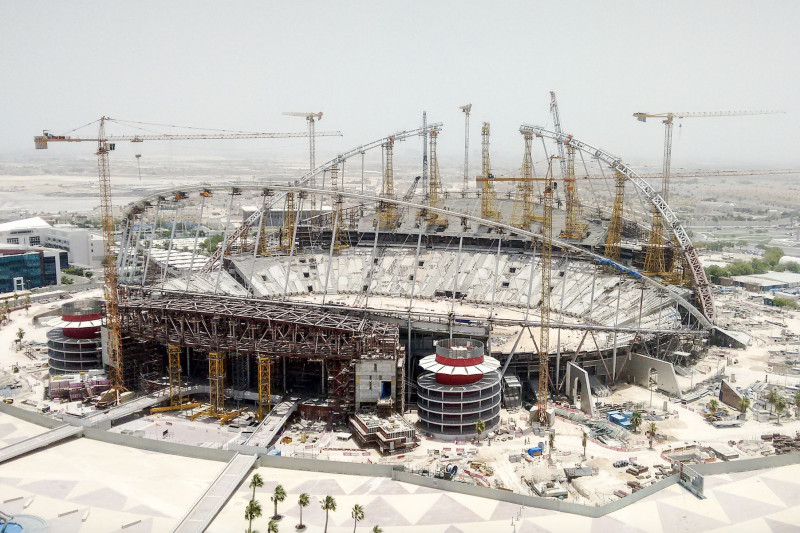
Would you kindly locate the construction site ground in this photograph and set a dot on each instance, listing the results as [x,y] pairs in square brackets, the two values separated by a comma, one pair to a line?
[487,462]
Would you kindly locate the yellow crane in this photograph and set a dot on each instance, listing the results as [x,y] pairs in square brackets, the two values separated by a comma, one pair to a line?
[654,263]
[105,144]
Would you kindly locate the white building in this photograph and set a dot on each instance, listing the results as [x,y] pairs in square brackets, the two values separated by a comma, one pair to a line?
[85,247]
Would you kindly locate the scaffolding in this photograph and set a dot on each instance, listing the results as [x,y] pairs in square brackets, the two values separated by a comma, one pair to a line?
[216,383]
[388,210]
[264,387]
[174,371]
[488,197]
[436,192]
[614,236]
[289,222]
[522,214]
[574,228]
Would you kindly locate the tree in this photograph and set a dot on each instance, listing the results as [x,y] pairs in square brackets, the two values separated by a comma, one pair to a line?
[253,510]
[651,433]
[713,406]
[256,481]
[377,529]
[780,406]
[272,527]
[27,302]
[636,420]
[302,501]
[357,515]
[480,427]
[797,403]
[584,441]
[16,297]
[20,335]
[277,497]
[743,405]
[552,441]
[772,398]
[328,504]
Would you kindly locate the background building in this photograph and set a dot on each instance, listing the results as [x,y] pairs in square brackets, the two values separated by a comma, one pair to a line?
[84,247]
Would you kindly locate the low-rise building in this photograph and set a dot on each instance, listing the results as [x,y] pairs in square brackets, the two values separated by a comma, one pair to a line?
[85,248]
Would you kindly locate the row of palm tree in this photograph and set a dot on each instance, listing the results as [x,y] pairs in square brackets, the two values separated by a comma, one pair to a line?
[253,509]
[776,402]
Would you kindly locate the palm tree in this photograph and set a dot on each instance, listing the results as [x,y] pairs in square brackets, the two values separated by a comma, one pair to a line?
[253,510]
[552,441]
[20,334]
[302,501]
[278,496]
[797,403]
[480,427]
[377,529]
[713,405]
[651,433]
[328,504]
[272,527]
[780,405]
[744,403]
[357,514]
[584,440]
[772,397]
[256,481]
[636,420]
[27,302]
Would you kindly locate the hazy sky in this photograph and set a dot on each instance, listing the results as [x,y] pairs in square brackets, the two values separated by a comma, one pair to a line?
[373,67]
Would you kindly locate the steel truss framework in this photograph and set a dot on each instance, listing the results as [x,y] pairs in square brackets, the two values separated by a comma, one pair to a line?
[705,294]
[261,330]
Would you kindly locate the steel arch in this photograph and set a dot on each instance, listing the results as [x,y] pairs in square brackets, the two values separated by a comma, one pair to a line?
[701,283]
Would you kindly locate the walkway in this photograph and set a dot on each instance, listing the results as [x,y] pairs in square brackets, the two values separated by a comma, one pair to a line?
[39,441]
[209,504]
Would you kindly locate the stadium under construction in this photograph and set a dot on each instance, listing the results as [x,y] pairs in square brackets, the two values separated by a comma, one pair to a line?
[317,289]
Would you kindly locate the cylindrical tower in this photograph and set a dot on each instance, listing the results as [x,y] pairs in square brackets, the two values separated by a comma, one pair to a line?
[75,346]
[461,386]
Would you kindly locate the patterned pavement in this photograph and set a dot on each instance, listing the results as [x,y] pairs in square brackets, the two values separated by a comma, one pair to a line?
[767,501]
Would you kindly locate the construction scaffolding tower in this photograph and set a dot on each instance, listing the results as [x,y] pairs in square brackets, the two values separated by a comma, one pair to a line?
[289,223]
[614,236]
[436,194]
[522,215]
[263,243]
[389,219]
[216,383]
[337,214]
[174,371]
[574,228]
[488,198]
[264,387]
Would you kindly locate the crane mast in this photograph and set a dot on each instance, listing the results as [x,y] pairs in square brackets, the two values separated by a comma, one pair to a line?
[546,258]
[557,127]
[110,281]
[466,109]
[105,144]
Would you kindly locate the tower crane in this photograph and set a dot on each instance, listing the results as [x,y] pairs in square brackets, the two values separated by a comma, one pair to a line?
[654,263]
[466,109]
[312,118]
[106,144]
